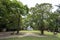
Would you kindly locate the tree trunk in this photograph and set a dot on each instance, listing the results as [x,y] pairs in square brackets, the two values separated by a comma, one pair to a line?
[42,30]
[42,25]
[18,29]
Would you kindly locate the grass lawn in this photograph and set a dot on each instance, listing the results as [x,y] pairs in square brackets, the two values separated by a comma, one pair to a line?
[49,36]
[34,38]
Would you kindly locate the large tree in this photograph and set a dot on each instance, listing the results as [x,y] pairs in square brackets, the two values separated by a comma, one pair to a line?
[11,11]
[40,13]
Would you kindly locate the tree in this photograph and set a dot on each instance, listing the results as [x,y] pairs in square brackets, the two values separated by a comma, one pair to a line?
[58,17]
[40,13]
[11,12]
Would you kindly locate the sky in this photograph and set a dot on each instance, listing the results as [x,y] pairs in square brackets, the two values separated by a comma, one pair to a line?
[32,3]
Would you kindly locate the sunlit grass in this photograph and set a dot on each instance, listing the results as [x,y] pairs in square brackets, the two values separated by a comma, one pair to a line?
[33,38]
[58,35]
[38,32]
[34,31]
[49,36]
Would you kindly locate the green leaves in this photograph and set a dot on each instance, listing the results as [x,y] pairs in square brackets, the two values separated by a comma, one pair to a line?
[11,11]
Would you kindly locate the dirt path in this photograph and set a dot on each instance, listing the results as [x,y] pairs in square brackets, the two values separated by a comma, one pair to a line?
[8,35]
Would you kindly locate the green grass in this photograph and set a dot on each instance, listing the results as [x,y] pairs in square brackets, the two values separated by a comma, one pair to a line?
[49,36]
[34,38]
[36,31]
